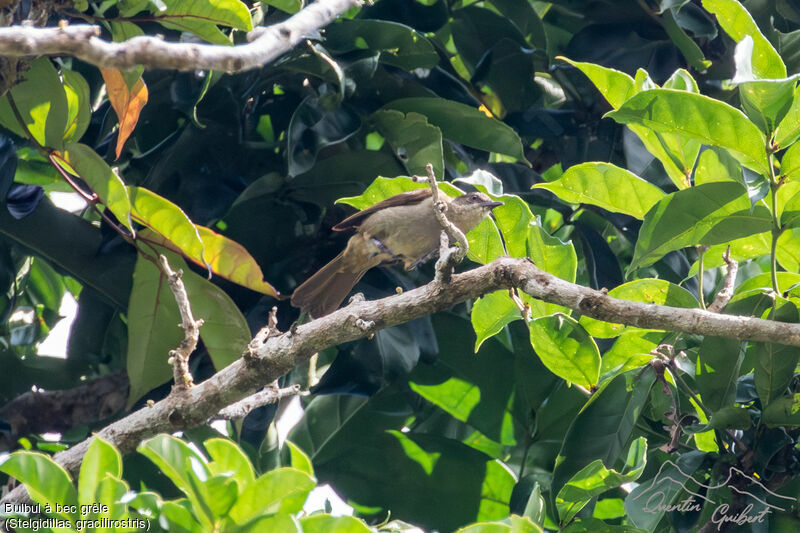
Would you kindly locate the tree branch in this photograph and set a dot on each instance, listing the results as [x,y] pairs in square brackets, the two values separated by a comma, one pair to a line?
[179,358]
[280,353]
[82,41]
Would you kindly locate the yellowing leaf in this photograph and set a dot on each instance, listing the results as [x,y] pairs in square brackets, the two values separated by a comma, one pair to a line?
[127,101]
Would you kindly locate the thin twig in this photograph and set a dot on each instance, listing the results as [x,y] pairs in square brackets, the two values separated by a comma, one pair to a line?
[268,395]
[453,245]
[191,329]
[726,292]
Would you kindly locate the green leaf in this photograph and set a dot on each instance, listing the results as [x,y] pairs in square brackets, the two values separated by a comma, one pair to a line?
[526,19]
[153,331]
[46,481]
[472,388]
[513,524]
[167,220]
[698,117]
[566,349]
[552,255]
[283,490]
[631,350]
[738,23]
[173,457]
[415,142]
[289,6]
[101,460]
[225,257]
[664,488]
[615,86]
[607,186]
[464,124]
[111,493]
[651,291]
[400,46]
[79,108]
[202,17]
[322,523]
[105,183]
[775,363]
[718,363]
[491,313]
[42,105]
[602,428]
[225,332]
[788,130]
[595,479]
[227,457]
[284,523]
[299,459]
[706,214]
[676,152]
[690,50]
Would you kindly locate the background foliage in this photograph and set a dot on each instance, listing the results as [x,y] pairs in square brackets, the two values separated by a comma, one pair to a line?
[467,416]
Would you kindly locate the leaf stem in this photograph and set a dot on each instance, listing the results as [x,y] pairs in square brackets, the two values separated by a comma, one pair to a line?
[701,267]
[774,184]
[21,121]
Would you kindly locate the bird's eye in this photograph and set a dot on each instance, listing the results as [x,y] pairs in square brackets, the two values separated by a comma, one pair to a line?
[474,198]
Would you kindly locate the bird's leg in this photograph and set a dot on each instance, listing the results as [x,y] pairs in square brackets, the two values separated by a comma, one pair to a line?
[383,249]
[422,260]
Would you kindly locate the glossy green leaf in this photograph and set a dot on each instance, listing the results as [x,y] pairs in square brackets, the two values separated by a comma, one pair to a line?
[278,491]
[766,102]
[707,214]
[471,387]
[699,117]
[382,188]
[415,142]
[322,523]
[788,130]
[153,331]
[602,428]
[514,219]
[566,349]
[201,18]
[738,23]
[552,255]
[690,50]
[607,186]
[741,250]
[615,86]
[45,480]
[180,517]
[399,45]
[173,457]
[227,457]
[651,291]
[167,220]
[526,19]
[665,487]
[299,459]
[718,364]
[676,152]
[110,492]
[284,523]
[225,332]
[491,313]
[464,124]
[102,459]
[42,105]
[514,524]
[775,364]
[105,183]
[788,250]
[632,349]
[595,479]
[79,108]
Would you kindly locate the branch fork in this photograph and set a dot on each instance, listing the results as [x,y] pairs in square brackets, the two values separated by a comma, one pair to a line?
[453,245]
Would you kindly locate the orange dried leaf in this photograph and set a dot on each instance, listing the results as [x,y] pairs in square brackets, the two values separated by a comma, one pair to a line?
[127,101]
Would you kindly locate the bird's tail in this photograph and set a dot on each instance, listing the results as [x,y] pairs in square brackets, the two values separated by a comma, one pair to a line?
[322,293]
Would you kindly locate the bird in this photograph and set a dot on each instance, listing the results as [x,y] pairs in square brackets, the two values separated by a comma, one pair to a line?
[400,229]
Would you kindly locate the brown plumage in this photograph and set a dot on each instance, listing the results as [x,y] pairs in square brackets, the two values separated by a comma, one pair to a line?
[402,229]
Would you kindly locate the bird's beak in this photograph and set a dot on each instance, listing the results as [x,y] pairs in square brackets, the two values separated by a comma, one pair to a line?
[491,205]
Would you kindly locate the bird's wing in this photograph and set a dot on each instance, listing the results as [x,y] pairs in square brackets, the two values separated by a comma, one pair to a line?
[406,198]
